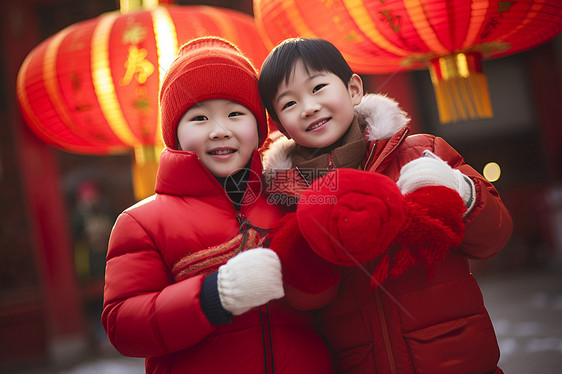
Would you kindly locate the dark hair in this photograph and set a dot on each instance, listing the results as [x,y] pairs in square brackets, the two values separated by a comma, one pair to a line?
[316,54]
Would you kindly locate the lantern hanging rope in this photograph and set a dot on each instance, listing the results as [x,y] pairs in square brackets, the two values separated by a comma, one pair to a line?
[92,88]
[450,38]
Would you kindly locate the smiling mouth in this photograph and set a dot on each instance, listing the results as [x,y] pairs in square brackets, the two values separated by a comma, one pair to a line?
[316,125]
[222,151]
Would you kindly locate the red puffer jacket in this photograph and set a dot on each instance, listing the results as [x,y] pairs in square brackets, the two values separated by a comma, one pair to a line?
[152,305]
[420,322]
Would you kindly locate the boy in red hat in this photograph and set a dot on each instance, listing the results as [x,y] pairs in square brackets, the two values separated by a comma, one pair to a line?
[188,284]
[421,311]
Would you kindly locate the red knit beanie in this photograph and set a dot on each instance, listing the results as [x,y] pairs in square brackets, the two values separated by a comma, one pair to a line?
[208,68]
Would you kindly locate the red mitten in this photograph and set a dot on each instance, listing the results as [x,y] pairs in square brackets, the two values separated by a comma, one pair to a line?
[301,268]
[350,217]
[434,224]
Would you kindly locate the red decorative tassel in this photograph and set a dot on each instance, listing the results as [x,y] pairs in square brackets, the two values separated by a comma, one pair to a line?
[402,261]
[434,224]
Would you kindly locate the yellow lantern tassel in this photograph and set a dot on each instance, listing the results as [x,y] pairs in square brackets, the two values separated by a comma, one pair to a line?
[145,167]
[461,89]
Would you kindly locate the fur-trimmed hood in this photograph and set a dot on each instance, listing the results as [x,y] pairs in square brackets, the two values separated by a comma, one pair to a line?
[384,118]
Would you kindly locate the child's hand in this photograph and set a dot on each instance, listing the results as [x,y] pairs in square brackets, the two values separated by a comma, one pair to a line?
[430,170]
[250,279]
[349,217]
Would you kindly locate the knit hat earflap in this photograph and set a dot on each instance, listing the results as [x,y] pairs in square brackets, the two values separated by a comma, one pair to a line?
[208,68]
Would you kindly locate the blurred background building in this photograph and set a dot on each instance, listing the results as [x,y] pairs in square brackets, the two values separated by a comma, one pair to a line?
[57,207]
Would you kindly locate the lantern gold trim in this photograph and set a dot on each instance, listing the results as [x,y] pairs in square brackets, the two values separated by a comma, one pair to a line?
[145,168]
[103,81]
[166,39]
[461,88]
[167,47]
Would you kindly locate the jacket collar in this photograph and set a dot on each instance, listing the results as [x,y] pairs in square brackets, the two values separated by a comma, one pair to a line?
[182,173]
[384,119]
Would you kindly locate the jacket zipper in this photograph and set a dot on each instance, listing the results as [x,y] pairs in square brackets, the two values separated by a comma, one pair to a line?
[378,301]
[266,340]
[244,225]
[373,149]
[404,135]
[384,330]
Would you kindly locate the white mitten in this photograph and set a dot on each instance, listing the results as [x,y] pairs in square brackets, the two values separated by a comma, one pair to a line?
[430,170]
[250,279]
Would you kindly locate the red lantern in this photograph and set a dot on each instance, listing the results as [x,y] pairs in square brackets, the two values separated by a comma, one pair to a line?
[449,37]
[92,88]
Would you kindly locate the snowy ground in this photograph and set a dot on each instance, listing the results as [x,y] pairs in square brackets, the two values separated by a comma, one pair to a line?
[108,366]
[526,309]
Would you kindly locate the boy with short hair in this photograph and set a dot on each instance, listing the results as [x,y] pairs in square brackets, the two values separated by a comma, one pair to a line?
[188,285]
[416,322]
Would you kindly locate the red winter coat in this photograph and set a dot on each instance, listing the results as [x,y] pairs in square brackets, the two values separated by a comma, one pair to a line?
[153,310]
[417,323]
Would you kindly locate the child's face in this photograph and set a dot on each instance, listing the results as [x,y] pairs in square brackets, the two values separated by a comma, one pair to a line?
[222,133]
[316,108]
